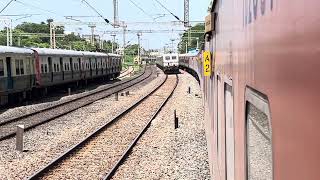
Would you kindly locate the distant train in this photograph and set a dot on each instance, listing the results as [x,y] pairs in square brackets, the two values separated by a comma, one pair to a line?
[169,63]
[25,71]
[185,60]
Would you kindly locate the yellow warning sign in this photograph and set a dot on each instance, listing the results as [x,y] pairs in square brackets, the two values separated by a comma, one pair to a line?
[206,63]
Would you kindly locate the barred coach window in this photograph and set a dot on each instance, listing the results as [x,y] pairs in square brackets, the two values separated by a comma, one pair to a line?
[259,145]
[17,67]
[1,68]
[21,67]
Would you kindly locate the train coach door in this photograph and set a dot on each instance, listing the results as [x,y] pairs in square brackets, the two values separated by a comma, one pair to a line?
[71,67]
[229,132]
[50,68]
[62,67]
[9,73]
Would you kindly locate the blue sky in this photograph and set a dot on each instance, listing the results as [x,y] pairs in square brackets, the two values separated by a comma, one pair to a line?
[128,12]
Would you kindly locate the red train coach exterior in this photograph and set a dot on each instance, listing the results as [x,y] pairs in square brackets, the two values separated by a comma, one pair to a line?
[262,98]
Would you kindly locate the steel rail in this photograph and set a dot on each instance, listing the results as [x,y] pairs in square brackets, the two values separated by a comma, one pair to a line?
[134,142]
[78,146]
[126,73]
[13,133]
[66,102]
[125,70]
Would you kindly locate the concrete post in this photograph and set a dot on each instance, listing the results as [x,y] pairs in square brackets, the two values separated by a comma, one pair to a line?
[176,120]
[69,91]
[19,138]
[117,96]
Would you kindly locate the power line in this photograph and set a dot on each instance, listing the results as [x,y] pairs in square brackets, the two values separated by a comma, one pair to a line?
[141,9]
[105,19]
[6,6]
[30,5]
[15,15]
[168,10]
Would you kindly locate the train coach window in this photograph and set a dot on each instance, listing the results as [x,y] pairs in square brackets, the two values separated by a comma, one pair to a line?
[45,68]
[167,57]
[1,68]
[19,67]
[174,57]
[259,144]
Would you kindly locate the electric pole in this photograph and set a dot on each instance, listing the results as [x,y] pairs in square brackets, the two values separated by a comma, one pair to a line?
[8,42]
[19,41]
[10,32]
[115,14]
[186,13]
[197,43]
[172,44]
[92,33]
[113,41]
[139,48]
[186,47]
[52,36]
[124,43]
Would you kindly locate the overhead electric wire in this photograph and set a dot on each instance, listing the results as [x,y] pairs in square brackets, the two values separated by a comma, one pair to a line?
[168,10]
[105,19]
[30,5]
[5,7]
[141,9]
[15,15]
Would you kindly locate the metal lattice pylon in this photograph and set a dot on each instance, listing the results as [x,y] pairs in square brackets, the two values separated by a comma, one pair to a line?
[115,13]
[186,13]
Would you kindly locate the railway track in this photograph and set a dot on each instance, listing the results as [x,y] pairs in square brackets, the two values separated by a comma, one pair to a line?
[126,72]
[100,154]
[8,128]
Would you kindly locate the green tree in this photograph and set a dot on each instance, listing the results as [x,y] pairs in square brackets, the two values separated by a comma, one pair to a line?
[3,37]
[70,41]
[193,37]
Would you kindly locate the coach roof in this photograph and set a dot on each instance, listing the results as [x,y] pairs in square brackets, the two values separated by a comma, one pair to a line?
[98,54]
[47,51]
[16,50]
